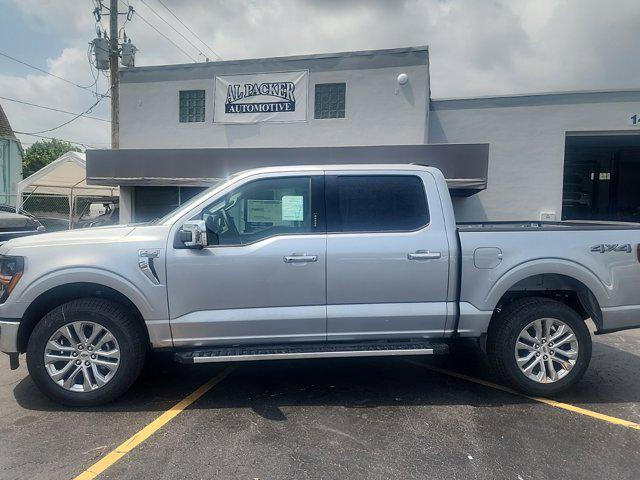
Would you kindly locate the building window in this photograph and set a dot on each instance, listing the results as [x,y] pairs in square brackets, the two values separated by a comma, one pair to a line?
[191,106]
[330,100]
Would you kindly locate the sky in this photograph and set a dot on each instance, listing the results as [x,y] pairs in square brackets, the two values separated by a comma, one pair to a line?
[477,47]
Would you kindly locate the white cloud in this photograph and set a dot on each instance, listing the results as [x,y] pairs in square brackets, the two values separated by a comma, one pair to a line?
[49,91]
[477,47]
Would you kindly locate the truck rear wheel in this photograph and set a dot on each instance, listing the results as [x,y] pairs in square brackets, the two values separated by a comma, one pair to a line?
[86,352]
[539,346]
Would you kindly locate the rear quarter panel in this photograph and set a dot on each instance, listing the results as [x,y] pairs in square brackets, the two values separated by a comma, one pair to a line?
[613,277]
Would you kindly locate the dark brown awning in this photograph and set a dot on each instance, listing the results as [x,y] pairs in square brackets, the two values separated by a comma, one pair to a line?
[463,165]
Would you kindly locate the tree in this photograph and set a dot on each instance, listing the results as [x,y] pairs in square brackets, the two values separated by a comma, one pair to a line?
[42,153]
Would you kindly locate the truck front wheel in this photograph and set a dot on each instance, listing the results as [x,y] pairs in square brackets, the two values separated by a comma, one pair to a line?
[86,352]
[539,346]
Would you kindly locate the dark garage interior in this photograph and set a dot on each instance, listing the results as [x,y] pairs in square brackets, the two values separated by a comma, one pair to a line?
[602,178]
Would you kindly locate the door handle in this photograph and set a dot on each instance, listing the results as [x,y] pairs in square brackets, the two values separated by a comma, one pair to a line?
[423,255]
[297,258]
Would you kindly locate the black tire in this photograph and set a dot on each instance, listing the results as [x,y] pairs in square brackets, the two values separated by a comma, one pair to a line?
[505,329]
[111,315]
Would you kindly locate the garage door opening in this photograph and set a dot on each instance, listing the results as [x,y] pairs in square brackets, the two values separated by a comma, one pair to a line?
[602,178]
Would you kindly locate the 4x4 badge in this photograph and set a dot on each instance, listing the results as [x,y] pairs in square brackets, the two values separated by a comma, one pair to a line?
[611,247]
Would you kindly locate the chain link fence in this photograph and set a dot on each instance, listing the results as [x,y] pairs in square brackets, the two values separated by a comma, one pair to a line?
[57,212]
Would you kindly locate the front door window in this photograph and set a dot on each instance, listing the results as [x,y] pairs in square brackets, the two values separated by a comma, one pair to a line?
[260,209]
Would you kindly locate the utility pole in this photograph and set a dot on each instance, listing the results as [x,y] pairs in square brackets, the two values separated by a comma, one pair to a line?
[106,53]
[115,77]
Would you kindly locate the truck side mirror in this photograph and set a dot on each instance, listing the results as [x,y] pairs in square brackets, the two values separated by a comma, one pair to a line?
[193,234]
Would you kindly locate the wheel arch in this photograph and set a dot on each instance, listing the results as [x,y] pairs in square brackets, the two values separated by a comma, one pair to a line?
[58,295]
[566,289]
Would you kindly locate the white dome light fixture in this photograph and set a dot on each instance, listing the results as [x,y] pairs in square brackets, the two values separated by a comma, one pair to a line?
[403,78]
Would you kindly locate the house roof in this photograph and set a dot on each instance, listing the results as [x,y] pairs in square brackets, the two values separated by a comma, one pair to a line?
[5,128]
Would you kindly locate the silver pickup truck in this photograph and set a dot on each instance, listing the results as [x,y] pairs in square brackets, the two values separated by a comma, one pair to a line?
[314,262]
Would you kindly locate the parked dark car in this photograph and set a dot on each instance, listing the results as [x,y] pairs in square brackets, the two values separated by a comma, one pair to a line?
[5,207]
[13,225]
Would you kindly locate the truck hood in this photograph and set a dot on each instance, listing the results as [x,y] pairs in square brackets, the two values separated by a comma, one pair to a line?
[70,237]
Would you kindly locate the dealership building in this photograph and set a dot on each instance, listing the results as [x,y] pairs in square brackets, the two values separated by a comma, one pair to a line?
[551,156]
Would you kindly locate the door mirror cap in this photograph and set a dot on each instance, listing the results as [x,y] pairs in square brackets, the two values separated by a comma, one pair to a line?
[193,234]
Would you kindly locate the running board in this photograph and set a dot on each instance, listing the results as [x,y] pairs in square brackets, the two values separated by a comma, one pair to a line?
[309,350]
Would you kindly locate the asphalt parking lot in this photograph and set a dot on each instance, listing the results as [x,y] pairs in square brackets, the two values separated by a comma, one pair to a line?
[328,419]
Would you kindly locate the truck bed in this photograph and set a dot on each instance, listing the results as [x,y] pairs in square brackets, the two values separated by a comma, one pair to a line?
[600,257]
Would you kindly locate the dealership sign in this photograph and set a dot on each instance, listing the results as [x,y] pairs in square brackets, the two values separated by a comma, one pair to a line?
[261,97]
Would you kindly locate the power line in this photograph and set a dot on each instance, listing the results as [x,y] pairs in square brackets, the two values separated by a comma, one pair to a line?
[173,28]
[53,109]
[68,121]
[86,145]
[174,44]
[192,32]
[84,87]
[167,38]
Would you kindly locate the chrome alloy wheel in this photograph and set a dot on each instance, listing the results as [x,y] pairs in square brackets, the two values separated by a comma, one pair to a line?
[82,356]
[546,350]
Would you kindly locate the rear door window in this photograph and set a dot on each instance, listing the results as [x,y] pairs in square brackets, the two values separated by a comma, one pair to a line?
[376,203]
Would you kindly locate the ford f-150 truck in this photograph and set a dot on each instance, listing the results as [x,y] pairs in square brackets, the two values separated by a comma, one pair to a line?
[313,262]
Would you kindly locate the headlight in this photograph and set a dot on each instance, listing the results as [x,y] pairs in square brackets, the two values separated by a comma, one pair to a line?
[11,269]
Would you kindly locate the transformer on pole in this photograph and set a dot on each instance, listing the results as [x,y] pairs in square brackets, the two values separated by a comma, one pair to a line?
[100,46]
[128,53]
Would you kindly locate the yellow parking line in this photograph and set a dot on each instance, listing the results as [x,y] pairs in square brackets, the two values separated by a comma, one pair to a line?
[547,401]
[137,438]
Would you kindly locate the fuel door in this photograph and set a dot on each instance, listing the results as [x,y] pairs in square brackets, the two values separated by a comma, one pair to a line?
[487,257]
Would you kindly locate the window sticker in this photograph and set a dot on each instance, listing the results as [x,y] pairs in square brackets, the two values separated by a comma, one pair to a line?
[263,211]
[292,208]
